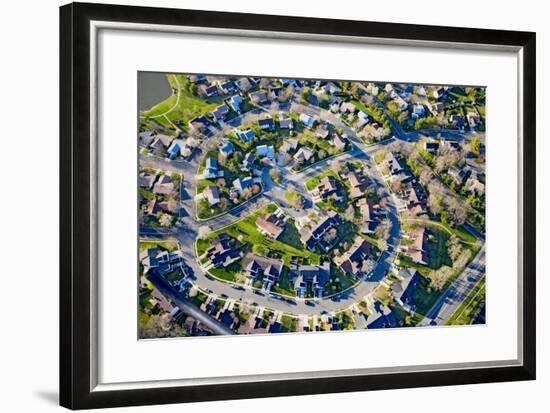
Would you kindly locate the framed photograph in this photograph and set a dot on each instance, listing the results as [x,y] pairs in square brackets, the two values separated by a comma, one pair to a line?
[257,206]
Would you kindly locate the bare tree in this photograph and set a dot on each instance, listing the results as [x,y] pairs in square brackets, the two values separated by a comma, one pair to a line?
[204,232]
[440,276]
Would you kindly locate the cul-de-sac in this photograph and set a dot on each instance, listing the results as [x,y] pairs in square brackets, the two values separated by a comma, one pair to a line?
[271,205]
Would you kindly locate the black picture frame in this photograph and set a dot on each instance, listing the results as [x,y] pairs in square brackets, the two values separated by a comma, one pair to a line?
[75,196]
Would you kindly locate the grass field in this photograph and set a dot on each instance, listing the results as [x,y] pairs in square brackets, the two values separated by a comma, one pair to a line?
[246,228]
[182,108]
[466,312]
[166,245]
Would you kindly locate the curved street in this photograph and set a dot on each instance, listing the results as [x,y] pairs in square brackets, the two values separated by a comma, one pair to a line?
[187,227]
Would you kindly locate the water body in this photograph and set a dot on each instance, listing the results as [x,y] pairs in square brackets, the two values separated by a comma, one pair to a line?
[153,87]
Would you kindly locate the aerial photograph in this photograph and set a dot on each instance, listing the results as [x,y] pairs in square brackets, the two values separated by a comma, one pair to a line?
[274,205]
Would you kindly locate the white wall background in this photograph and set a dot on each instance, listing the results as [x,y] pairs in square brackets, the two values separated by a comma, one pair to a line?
[29,207]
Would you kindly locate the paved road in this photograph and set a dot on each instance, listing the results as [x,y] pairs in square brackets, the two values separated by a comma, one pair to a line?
[168,291]
[457,292]
[187,228]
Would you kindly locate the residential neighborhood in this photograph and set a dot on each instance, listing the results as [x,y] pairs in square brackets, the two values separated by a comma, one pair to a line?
[272,205]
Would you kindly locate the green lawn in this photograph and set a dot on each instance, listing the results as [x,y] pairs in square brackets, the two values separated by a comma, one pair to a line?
[338,281]
[437,248]
[250,234]
[290,235]
[467,311]
[188,106]
[166,245]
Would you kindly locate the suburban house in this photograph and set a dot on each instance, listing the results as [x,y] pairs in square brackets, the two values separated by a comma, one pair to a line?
[146,138]
[330,88]
[348,107]
[362,119]
[314,233]
[221,253]
[264,151]
[200,124]
[401,104]
[227,147]
[418,111]
[259,97]
[219,113]
[368,221]
[147,180]
[310,279]
[241,184]
[436,108]
[161,143]
[266,124]
[211,194]
[439,92]
[431,147]
[248,162]
[303,154]
[267,270]
[285,121]
[328,188]
[175,149]
[402,290]
[457,174]
[289,145]
[417,249]
[211,169]
[245,135]
[414,199]
[164,185]
[457,121]
[334,103]
[234,102]
[358,183]
[160,260]
[227,87]
[473,184]
[308,121]
[473,119]
[339,142]
[208,91]
[271,225]
[353,259]
[322,131]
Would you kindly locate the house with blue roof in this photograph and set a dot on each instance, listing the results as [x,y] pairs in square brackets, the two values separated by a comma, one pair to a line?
[248,162]
[235,102]
[241,184]
[211,169]
[245,135]
[174,150]
[264,151]
[227,148]
[308,121]
[266,124]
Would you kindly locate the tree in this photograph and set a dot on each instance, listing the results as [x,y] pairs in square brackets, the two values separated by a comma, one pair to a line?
[463,259]
[457,213]
[294,199]
[382,231]
[204,232]
[425,176]
[275,174]
[349,214]
[165,220]
[440,276]
[245,84]
[454,247]
[475,145]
